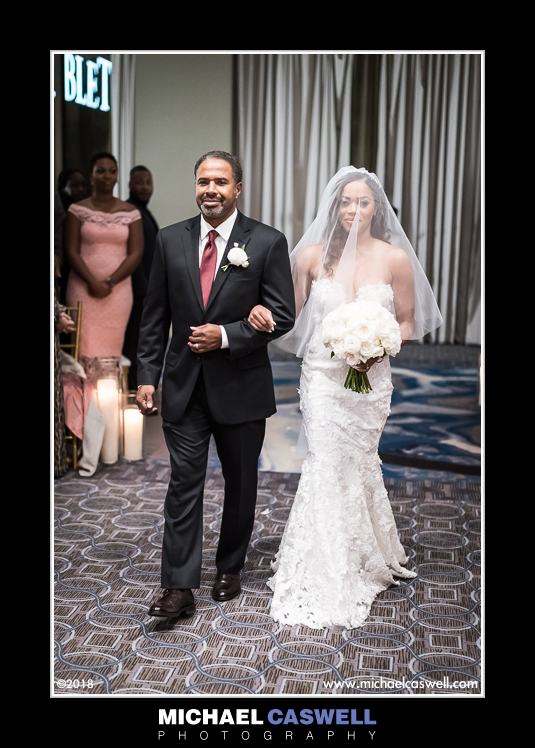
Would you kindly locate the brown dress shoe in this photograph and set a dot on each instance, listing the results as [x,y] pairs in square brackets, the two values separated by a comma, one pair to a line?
[226,587]
[173,603]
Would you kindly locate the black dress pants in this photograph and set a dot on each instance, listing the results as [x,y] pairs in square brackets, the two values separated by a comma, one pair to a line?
[238,447]
[131,338]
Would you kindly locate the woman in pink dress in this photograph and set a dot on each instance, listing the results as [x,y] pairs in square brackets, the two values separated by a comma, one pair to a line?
[104,239]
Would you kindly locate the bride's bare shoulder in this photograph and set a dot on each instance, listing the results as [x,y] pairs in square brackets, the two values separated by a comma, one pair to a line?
[399,264]
[393,254]
[398,257]
[311,255]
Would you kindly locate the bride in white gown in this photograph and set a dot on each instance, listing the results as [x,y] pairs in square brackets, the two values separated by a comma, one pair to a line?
[340,547]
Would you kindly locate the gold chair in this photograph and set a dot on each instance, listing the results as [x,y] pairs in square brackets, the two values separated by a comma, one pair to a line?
[71,345]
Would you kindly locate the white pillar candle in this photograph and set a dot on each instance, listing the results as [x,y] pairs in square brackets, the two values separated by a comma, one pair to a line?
[108,404]
[133,434]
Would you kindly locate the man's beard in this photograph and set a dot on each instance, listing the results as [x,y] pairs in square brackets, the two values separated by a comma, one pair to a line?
[212,212]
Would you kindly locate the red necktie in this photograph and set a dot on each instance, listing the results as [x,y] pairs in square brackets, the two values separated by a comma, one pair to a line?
[208,264]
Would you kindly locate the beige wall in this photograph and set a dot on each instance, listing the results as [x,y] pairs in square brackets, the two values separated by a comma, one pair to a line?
[183,109]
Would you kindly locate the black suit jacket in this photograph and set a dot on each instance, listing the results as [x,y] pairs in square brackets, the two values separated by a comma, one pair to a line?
[140,276]
[238,379]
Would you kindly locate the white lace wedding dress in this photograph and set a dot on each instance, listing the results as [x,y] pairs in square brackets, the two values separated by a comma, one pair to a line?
[340,547]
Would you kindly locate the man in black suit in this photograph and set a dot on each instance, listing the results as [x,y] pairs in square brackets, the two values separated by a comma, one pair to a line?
[141,188]
[208,273]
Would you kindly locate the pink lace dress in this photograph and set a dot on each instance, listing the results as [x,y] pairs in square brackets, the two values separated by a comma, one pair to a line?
[104,238]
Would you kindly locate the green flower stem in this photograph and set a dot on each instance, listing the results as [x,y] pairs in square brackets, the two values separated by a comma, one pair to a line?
[357,381]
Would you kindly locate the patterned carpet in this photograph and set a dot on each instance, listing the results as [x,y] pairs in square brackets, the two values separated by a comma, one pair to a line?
[108,541]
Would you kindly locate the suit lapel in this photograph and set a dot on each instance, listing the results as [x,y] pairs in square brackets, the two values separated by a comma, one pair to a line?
[240,235]
[191,242]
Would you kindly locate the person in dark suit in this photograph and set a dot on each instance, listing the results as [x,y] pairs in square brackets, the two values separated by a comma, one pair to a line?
[208,273]
[141,187]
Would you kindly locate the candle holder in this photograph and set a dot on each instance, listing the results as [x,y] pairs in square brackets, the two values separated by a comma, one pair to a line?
[132,428]
[108,396]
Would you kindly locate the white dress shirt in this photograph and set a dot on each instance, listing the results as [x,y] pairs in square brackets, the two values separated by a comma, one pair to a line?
[223,235]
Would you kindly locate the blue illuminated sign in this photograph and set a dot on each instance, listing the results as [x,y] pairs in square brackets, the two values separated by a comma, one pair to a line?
[95,94]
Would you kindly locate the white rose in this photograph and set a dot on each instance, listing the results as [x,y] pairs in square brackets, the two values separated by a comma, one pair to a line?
[391,341]
[237,256]
[363,330]
[369,350]
[352,343]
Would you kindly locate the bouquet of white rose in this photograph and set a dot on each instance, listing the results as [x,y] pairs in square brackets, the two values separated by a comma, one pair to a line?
[359,331]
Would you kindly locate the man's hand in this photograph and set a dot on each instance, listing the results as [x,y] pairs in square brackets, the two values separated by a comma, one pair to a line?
[204,338]
[144,400]
[261,319]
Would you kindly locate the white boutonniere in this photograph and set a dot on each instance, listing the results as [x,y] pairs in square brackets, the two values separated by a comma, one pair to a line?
[237,257]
